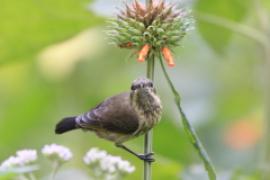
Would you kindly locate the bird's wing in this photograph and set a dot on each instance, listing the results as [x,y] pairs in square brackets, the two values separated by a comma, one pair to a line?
[114,114]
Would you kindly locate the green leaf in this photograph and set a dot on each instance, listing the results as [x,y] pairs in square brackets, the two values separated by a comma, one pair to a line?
[217,36]
[28,26]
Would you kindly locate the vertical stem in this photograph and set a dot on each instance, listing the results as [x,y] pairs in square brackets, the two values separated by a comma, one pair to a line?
[22,177]
[32,176]
[56,166]
[148,139]
[190,131]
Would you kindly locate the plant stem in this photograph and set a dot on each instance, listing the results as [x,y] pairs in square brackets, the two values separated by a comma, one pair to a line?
[56,166]
[148,139]
[32,176]
[190,131]
[22,177]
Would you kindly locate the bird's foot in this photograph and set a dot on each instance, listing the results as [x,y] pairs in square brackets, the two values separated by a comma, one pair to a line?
[147,157]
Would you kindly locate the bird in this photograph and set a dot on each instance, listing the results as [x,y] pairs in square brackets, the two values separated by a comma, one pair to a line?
[121,117]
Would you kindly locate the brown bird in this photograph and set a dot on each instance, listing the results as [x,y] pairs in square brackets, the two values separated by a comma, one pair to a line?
[121,117]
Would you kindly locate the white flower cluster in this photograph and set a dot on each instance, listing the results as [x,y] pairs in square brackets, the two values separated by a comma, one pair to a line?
[107,163]
[22,158]
[94,156]
[113,164]
[57,152]
[104,165]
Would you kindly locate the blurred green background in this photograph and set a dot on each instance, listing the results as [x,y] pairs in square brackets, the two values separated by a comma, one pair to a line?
[55,61]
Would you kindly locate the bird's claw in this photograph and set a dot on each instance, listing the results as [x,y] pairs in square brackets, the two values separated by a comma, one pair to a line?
[147,157]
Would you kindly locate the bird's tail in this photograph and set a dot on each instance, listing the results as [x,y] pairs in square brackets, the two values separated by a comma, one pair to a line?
[66,124]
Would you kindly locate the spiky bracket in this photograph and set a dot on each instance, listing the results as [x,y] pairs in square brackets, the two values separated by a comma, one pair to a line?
[158,27]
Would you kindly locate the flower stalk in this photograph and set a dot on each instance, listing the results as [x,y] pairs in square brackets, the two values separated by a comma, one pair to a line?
[148,140]
[55,169]
[190,131]
[32,176]
[22,177]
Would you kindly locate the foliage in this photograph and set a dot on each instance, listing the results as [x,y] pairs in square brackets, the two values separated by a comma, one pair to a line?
[29,26]
[234,10]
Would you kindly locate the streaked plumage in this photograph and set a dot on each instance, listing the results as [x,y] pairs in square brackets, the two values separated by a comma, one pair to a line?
[121,117]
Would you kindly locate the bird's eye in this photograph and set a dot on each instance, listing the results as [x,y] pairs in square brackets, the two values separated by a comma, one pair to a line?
[133,87]
[150,84]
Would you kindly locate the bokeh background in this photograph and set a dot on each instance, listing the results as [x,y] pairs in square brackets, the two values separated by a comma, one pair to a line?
[55,61]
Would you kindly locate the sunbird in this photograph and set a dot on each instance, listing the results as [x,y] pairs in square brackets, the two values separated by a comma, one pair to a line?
[121,117]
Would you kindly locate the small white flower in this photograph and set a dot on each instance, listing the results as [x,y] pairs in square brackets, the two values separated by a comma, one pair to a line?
[109,163]
[94,155]
[22,158]
[125,167]
[27,156]
[113,164]
[106,165]
[10,162]
[57,152]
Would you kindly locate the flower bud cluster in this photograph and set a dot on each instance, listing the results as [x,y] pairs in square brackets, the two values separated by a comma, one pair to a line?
[22,158]
[57,152]
[157,27]
[107,165]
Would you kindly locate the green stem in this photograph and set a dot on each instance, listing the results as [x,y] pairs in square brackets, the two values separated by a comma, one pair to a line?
[22,177]
[56,166]
[148,140]
[32,176]
[190,131]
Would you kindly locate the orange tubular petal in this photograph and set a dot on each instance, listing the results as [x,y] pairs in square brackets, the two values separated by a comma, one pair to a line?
[168,56]
[143,53]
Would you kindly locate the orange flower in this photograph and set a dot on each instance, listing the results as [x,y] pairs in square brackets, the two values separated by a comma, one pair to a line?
[167,54]
[143,53]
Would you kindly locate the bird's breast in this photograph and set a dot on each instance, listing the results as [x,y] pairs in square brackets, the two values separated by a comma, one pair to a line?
[149,110]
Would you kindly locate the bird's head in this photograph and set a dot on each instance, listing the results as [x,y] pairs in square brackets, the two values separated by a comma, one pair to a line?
[144,98]
[142,85]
